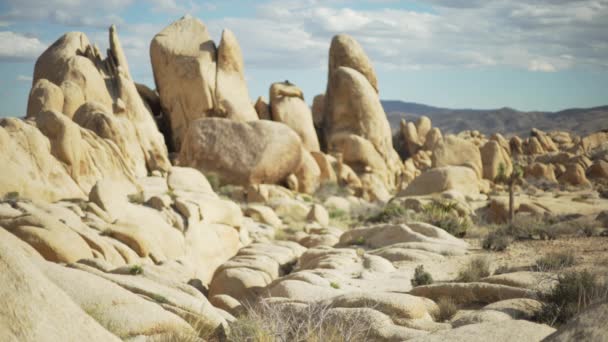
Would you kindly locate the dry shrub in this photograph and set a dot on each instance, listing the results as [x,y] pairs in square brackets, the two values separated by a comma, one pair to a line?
[476,269]
[266,322]
[447,309]
[555,261]
[574,292]
[421,277]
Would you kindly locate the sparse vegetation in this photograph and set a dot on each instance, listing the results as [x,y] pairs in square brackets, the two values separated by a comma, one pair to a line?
[136,269]
[555,261]
[159,298]
[444,214]
[447,309]
[476,269]
[421,277]
[266,322]
[573,293]
[335,285]
[515,177]
[496,241]
[214,181]
[389,213]
[360,241]
[11,196]
[328,189]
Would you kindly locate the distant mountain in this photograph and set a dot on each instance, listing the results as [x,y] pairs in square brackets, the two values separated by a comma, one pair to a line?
[506,120]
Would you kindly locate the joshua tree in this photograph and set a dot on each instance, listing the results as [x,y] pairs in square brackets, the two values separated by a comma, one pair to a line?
[510,180]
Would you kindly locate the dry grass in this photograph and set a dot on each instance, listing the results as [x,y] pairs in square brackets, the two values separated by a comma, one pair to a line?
[265,322]
[555,261]
[421,277]
[476,269]
[447,309]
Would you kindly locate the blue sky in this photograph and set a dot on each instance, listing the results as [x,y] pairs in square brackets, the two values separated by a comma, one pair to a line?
[525,54]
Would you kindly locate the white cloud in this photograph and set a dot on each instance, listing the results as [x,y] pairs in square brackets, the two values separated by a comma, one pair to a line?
[16,46]
[24,78]
[544,66]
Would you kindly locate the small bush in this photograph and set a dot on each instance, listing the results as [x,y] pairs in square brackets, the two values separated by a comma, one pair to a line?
[360,241]
[444,214]
[555,261]
[11,196]
[447,309]
[214,181]
[573,293]
[136,269]
[421,277]
[334,285]
[389,213]
[337,214]
[159,298]
[476,269]
[328,189]
[496,241]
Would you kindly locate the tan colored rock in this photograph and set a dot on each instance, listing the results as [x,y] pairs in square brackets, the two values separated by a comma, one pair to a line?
[594,140]
[532,146]
[411,140]
[263,109]
[471,292]
[540,171]
[328,174]
[184,64]
[44,95]
[263,214]
[433,138]
[116,309]
[441,179]
[185,179]
[453,151]
[107,82]
[502,331]
[574,175]
[318,110]
[287,106]
[346,52]
[493,156]
[34,309]
[73,98]
[423,127]
[516,145]
[500,139]
[28,168]
[353,108]
[266,152]
[231,93]
[318,214]
[308,174]
[545,140]
[599,170]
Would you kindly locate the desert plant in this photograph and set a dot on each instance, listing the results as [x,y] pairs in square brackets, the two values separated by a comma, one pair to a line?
[389,213]
[11,196]
[266,322]
[136,269]
[444,215]
[328,189]
[476,269]
[496,241]
[510,180]
[359,241]
[334,285]
[573,293]
[214,181]
[555,261]
[421,277]
[159,298]
[447,309]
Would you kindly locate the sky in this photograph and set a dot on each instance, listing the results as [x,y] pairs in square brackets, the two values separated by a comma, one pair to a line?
[525,54]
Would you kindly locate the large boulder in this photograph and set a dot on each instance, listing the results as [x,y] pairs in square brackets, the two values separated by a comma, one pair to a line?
[459,178]
[184,64]
[242,153]
[76,66]
[574,175]
[287,106]
[231,93]
[590,325]
[453,151]
[44,95]
[493,155]
[346,52]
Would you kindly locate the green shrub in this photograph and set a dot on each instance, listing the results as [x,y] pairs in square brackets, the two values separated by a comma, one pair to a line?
[11,196]
[476,269]
[444,214]
[555,261]
[159,298]
[334,285]
[214,181]
[136,269]
[337,214]
[136,198]
[573,293]
[496,241]
[421,277]
[359,241]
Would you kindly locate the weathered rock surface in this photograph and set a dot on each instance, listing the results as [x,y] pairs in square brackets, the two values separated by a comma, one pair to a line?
[453,151]
[590,325]
[459,178]
[265,152]
[503,331]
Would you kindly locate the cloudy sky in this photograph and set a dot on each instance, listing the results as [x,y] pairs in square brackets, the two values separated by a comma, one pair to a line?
[526,54]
